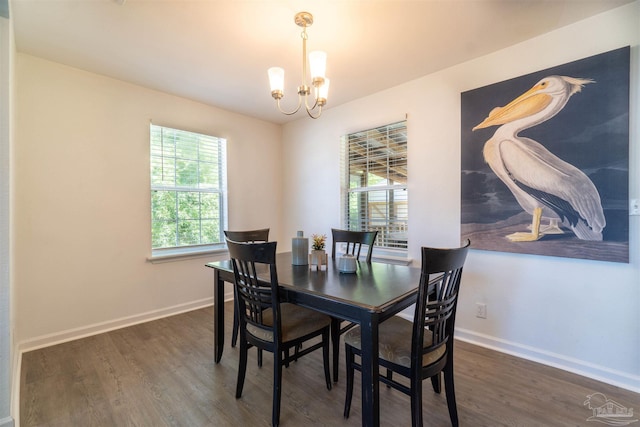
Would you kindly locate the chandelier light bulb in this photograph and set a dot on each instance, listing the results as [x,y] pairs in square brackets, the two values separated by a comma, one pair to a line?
[276,81]
[323,91]
[318,64]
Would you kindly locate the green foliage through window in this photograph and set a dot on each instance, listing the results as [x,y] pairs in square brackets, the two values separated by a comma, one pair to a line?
[187,188]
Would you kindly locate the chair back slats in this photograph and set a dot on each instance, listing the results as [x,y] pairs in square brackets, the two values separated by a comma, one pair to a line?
[255,295]
[436,317]
[437,298]
[354,241]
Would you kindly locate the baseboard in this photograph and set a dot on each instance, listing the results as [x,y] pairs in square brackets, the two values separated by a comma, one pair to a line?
[15,387]
[6,422]
[99,328]
[576,366]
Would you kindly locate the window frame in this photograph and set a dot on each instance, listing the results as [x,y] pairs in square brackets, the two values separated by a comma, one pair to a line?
[382,250]
[198,187]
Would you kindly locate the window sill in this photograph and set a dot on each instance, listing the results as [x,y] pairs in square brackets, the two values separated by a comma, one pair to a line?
[170,255]
[391,256]
[388,259]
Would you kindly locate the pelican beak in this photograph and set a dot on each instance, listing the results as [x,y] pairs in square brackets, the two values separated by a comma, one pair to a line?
[525,105]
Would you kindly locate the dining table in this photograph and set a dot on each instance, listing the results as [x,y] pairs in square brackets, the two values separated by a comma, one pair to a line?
[375,292]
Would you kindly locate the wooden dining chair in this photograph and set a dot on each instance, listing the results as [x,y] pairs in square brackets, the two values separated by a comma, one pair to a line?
[423,348]
[353,242]
[269,324]
[252,236]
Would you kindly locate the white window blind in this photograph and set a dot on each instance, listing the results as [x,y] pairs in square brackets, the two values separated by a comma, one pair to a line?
[375,183]
[188,189]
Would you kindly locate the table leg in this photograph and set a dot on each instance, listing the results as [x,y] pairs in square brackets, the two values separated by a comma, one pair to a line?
[370,371]
[335,344]
[218,315]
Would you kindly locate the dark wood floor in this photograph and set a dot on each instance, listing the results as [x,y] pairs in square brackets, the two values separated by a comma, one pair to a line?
[162,373]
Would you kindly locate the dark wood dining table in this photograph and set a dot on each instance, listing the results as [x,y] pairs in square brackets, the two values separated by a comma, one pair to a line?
[374,293]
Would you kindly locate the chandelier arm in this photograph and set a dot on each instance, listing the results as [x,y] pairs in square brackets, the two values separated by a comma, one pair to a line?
[310,113]
[292,112]
[315,101]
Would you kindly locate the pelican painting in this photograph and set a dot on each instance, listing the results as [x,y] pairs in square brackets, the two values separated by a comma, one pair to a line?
[545,160]
[545,186]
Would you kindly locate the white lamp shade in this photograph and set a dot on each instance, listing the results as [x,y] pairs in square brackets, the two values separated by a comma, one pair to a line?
[276,78]
[323,91]
[318,63]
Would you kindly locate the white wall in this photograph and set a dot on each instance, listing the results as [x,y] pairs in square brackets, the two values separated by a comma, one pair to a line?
[583,316]
[82,200]
[7,349]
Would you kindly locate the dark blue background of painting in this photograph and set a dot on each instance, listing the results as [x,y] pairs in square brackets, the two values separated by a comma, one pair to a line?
[591,132]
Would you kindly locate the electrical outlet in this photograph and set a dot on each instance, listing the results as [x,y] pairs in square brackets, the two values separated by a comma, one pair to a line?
[481,310]
[634,207]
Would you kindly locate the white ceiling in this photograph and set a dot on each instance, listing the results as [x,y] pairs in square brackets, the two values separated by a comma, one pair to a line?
[217,51]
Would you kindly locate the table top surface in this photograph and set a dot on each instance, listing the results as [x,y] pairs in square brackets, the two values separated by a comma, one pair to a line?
[374,286]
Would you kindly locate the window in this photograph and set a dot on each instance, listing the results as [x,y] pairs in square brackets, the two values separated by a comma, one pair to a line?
[375,184]
[188,190]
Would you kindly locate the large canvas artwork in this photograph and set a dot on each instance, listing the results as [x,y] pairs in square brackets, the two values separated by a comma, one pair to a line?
[545,161]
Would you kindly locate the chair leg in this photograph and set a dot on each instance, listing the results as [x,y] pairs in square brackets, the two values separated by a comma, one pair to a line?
[277,387]
[335,343]
[297,352]
[234,334]
[242,368]
[436,382]
[450,392]
[389,376]
[236,323]
[416,402]
[350,373]
[325,358]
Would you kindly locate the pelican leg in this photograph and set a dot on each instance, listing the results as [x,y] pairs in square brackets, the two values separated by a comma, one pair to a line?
[551,228]
[535,230]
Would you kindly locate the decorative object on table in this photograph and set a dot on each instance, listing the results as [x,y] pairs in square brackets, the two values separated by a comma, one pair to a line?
[300,249]
[318,242]
[347,264]
[318,256]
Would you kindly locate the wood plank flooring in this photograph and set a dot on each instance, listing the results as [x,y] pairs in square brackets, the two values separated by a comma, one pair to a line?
[162,373]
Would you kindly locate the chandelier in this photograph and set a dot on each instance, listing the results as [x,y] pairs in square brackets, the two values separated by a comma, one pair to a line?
[319,83]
